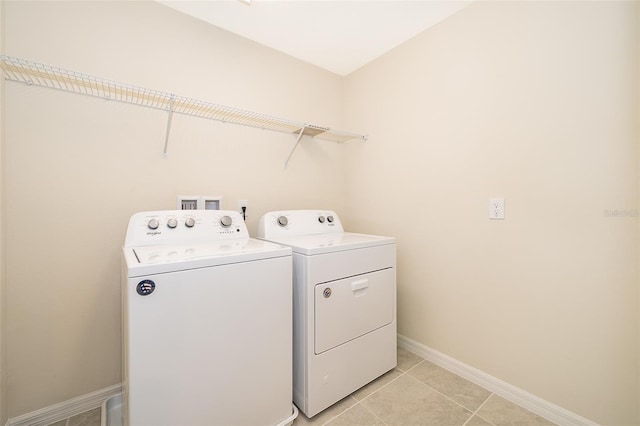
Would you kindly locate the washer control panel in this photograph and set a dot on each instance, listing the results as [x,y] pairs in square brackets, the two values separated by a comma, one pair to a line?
[184,226]
[277,224]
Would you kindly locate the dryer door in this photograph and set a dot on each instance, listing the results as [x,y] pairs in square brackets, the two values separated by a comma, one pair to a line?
[352,307]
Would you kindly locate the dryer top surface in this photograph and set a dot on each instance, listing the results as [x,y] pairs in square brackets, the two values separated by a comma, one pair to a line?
[328,243]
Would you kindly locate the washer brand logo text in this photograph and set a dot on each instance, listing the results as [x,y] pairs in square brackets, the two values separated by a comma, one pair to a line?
[154,233]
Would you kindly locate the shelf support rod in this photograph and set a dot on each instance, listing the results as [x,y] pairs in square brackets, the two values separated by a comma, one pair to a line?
[166,138]
[295,146]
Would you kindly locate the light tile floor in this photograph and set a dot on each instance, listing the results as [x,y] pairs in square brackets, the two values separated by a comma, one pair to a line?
[416,392]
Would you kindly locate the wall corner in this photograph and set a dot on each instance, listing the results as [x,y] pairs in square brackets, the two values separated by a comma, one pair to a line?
[637,115]
[3,311]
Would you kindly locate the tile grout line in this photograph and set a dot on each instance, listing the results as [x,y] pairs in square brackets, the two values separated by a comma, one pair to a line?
[421,361]
[475,413]
[353,406]
[360,400]
[381,387]
[406,372]
[390,381]
[374,414]
[449,398]
[434,390]
[341,412]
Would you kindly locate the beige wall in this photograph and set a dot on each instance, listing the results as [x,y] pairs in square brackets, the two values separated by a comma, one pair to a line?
[78,167]
[535,102]
[3,310]
[638,139]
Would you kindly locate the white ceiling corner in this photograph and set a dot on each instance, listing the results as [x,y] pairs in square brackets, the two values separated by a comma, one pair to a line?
[339,36]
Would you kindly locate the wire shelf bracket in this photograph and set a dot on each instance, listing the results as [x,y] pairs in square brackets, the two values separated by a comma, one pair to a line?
[286,163]
[37,74]
[166,138]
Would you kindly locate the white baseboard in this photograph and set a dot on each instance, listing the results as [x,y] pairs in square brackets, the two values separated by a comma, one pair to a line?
[65,409]
[539,406]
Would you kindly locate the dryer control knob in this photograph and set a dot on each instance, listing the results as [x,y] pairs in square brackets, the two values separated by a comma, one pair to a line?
[321,219]
[153,224]
[283,221]
[330,219]
[172,223]
[226,221]
[189,222]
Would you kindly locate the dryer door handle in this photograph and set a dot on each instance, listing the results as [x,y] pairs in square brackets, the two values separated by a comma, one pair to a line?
[360,284]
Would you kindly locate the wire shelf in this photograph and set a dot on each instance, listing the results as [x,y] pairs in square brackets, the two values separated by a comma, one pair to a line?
[37,74]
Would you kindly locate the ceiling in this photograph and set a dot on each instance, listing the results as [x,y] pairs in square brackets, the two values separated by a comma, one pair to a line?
[339,36]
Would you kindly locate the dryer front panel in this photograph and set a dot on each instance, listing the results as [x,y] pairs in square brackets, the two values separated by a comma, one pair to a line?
[352,307]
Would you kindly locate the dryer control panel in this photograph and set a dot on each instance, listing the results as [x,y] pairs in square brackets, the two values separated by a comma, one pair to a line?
[290,223]
[184,226]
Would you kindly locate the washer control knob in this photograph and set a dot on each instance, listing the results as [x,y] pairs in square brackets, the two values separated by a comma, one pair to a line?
[330,219]
[153,224]
[283,221]
[321,219]
[226,221]
[172,223]
[189,222]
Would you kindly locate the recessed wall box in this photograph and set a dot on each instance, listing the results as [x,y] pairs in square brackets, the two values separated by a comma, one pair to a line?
[211,203]
[187,202]
[199,202]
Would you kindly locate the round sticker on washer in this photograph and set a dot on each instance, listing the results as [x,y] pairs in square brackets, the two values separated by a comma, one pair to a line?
[145,287]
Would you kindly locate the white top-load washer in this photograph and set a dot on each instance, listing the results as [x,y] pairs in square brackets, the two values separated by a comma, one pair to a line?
[344,305]
[206,322]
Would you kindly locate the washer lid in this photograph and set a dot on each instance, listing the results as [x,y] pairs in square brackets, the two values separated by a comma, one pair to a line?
[327,243]
[168,258]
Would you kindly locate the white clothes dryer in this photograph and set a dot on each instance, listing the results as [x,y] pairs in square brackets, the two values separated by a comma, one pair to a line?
[344,305]
[206,322]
